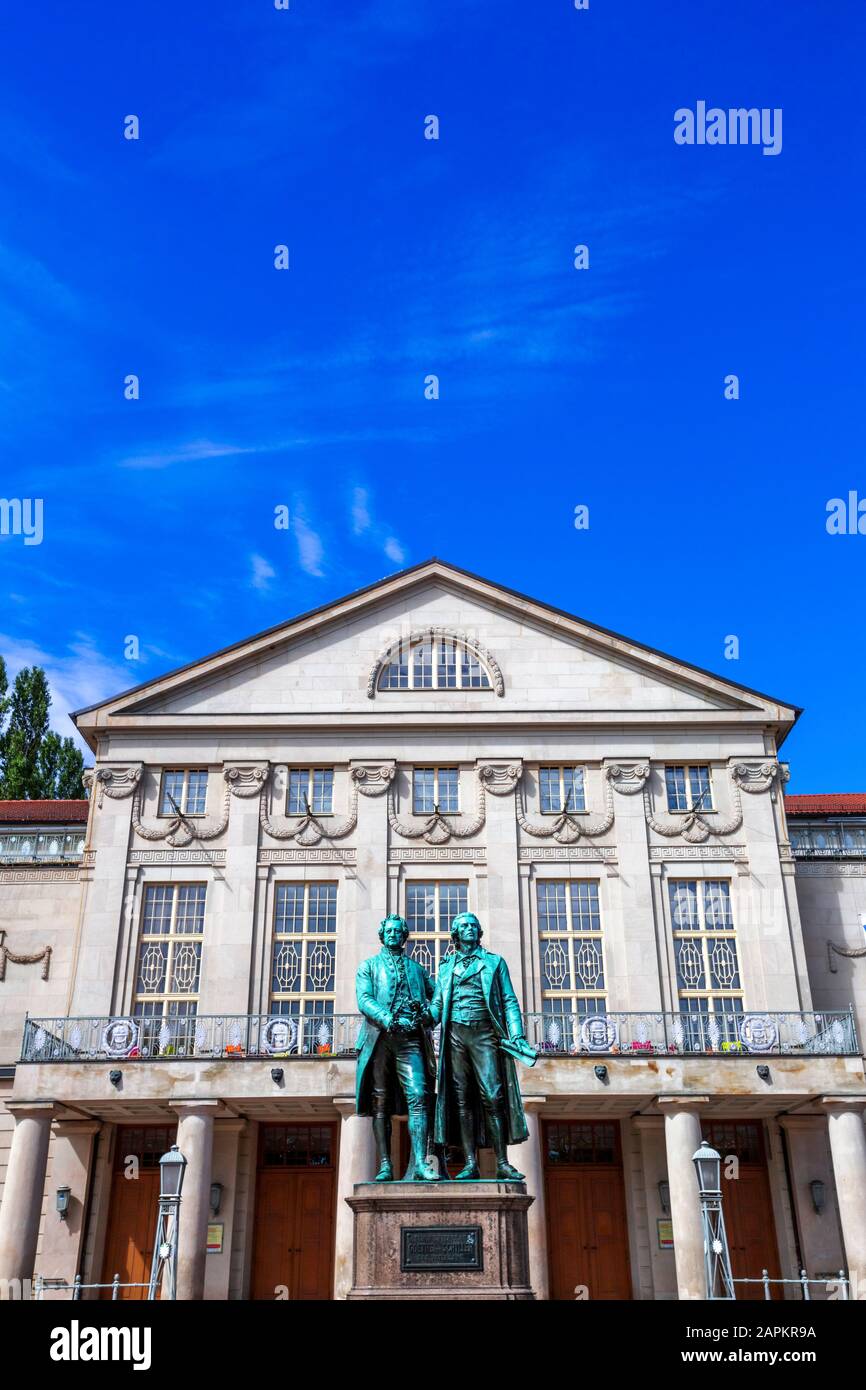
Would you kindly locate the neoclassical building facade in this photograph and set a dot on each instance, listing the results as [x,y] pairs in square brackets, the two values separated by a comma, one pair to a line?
[687,954]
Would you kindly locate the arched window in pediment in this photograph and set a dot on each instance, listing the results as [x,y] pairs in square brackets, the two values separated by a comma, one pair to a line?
[435,659]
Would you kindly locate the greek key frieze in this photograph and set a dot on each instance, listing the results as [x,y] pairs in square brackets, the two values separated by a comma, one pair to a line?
[459,854]
[178,857]
[306,856]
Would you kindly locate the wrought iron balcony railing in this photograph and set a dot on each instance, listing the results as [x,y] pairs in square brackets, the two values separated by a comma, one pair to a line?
[191,1036]
[653,1034]
[262,1036]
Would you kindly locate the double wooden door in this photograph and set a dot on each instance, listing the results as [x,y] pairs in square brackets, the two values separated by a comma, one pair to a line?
[746,1204]
[295,1208]
[134,1206]
[586,1221]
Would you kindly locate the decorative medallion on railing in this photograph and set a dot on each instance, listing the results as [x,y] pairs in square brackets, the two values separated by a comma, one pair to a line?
[21,959]
[569,826]
[698,824]
[370,779]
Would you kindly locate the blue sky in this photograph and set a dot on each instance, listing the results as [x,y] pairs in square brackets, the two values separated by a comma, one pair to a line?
[408,257]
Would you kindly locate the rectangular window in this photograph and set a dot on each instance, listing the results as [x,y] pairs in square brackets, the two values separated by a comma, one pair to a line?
[436,786]
[169,966]
[561,789]
[430,910]
[304,961]
[707,964]
[689,788]
[572,955]
[183,790]
[310,788]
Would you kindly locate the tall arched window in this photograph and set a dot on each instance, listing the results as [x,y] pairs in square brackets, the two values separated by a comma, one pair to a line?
[437,661]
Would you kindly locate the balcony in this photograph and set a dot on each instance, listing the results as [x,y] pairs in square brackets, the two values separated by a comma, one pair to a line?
[23,847]
[189,1037]
[264,1036]
[829,1034]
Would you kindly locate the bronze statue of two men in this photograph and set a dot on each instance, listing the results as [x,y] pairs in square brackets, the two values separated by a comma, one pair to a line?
[477,1101]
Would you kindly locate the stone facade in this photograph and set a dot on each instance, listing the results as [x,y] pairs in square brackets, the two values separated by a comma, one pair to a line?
[533,690]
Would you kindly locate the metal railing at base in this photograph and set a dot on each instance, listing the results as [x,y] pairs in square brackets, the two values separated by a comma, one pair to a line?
[839,1281]
[60,1286]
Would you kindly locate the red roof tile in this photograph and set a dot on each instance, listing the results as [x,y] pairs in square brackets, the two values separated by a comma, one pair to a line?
[827,804]
[13,812]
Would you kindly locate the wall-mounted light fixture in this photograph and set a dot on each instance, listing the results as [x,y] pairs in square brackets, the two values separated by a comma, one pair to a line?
[665,1195]
[819,1195]
[216,1197]
[61,1201]
[601,1072]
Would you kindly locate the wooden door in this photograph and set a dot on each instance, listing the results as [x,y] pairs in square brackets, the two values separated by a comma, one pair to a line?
[134,1206]
[295,1207]
[746,1205]
[586,1223]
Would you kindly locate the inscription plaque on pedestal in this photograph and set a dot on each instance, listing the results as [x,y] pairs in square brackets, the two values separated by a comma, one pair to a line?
[441,1240]
[430,1248]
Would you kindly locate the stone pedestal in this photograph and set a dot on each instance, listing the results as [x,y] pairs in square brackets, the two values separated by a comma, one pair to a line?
[441,1241]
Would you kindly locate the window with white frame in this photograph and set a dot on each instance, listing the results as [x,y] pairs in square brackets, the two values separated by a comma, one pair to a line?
[304,951]
[169,964]
[310,788]
[705,947]
[435,786]
[561,789]
[689,788]
[430,910]
[183,790]
[572,953]
[434,663]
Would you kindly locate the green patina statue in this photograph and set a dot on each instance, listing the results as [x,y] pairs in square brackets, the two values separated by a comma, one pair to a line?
[477,1093]
[396,1062]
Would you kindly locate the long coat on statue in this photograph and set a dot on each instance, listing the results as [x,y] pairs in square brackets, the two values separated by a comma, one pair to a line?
[504,1011]
[376,988]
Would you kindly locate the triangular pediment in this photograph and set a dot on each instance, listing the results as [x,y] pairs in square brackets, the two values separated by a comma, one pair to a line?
[326,663]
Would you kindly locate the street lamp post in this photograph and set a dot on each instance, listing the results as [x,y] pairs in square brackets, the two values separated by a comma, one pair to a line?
[717,1259]
[172,1167]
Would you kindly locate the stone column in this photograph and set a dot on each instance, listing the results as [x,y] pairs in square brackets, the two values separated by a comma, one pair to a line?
[528,1158]
[195,1141]
[682,1139]
[25,1183]
[71,1162]
[848,1151]
[357,1163]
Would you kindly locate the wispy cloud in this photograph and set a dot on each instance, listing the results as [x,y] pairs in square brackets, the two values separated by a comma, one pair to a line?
[364,524]
[198,451]
[311,551]
[262,573]
[78,675]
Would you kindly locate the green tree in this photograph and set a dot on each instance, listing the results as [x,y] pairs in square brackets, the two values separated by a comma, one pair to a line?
[60,768]
[35,762]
